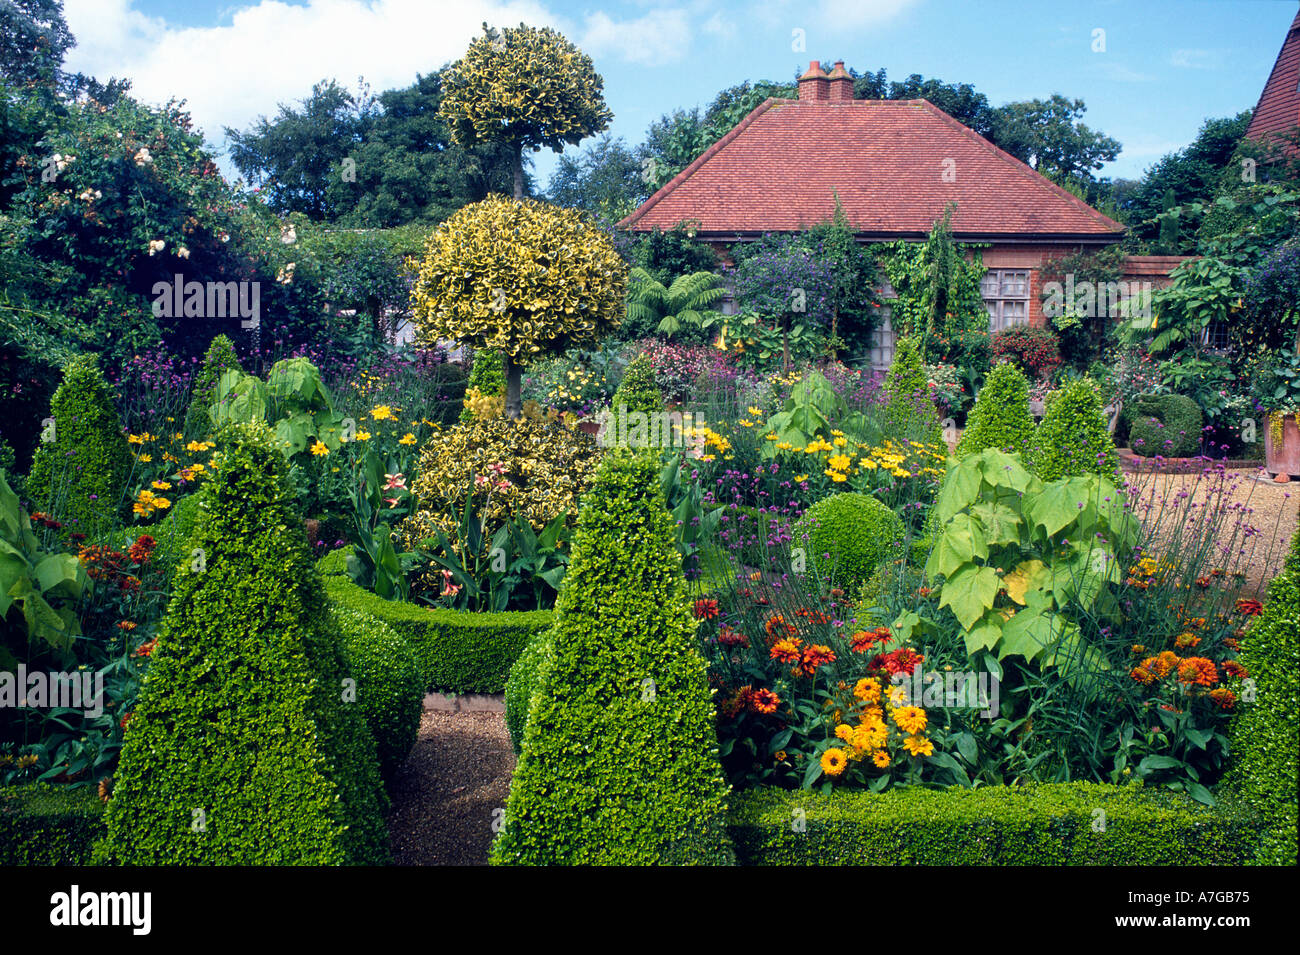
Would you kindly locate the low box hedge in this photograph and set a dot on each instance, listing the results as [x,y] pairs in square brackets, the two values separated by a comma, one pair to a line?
[42,824]
[457,651]
[1040,824]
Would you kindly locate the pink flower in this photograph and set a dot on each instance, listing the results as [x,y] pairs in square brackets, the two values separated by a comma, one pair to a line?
[448,588]
[396,482]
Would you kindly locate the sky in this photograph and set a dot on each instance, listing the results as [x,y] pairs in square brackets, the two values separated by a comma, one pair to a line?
[1150,72]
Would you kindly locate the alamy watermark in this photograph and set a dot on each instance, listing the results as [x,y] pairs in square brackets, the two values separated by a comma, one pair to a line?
[1097,299]
[951,689]
[181,299]
[39,689]
[637,429]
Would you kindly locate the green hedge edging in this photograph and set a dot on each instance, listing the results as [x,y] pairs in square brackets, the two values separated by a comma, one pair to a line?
[42,824]
[457,652]
[1041,824]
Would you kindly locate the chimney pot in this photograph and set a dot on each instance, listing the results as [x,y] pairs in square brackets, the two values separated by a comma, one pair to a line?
[840,83]
[813,84]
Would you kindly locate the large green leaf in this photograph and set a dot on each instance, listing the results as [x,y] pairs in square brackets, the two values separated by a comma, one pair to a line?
[970,592]
[60,575]
[1001,523]
[961,542]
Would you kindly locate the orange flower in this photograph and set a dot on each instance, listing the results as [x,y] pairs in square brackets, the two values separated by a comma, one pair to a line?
[1142,675]
[1224,697]
[764,701]
[1198,671]
[1249,607]
[786,651]
[1186,641]
[1235,670]
[732,638]
[776,627]
[706,609]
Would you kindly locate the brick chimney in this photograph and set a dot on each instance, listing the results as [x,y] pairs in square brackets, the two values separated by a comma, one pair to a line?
[841,84]
[813,84]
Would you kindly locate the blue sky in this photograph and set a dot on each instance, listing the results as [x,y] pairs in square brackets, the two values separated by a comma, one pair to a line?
[1166,66]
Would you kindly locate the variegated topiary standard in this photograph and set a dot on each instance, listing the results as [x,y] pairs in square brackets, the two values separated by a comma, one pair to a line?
[521,277]
[247,746]
[620,757]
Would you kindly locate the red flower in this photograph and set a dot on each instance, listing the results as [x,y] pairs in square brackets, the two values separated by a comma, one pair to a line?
[864,640]
[764,701]
[732,638]
[1234,669]
[902,660]
[786,650]
[1197,671]
[142,548]
[1249,607]
[706,609]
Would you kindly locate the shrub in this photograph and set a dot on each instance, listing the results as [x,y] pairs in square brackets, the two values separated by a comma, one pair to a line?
[1073,439]
[455,651]
[487,378]
[909,411]
[1266,737]
[1167,425]
[638,390]
[82,473]
[848,536]
[1000,418]
[171,535]
[619,762]
[1036,350]
[388,689]
[240,749]
[42,824]
[521,686]
[220,358]
[1039,824]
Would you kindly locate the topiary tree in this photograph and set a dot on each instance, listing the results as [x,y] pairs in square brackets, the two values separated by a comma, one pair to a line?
[244,747]
[525,674]
[909,410]
[638,391]
[1072,438]
[389,691]
[848,536]
[1000,418]
[619,762]
[1266,733]
[81,473]
[487,379]
[220,358]
[1165,424]
[520,277]
[523,86]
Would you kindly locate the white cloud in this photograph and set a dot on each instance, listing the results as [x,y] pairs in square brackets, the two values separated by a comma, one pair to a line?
[657,38]
[1196,59]
[1118,72]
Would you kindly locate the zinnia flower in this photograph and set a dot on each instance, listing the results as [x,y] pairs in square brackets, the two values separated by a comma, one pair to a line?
[918,746]
[1249,607]
[1197,671]
[786,650]
[834,761]
[764,701]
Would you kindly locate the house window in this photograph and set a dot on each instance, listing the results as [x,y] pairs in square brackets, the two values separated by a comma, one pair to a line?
[1006,295]
[882,341]
[1215,336]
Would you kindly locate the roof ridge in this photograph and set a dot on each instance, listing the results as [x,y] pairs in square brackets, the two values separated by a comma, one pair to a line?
[666,189]
[1035,176]
[1277,62]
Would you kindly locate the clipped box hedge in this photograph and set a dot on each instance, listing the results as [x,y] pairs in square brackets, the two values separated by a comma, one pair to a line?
[1040,824]
[42,824]
[457,651]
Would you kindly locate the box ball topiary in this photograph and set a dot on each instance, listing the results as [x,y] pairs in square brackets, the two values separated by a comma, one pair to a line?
[1072,438]
[620,757]
[1000,418]
[848,536]
[389,691]
[1168,425]
[240,749]
[525,675]
[81,474]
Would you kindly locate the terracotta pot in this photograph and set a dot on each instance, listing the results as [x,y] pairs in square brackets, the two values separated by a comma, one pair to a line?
[1284,459]
[589,427]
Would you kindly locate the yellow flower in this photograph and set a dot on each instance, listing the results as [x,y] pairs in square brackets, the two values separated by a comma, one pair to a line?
[162,486]
[867,689]
[839,462]
[840,441]
[363,435]
[918,746]
[383,413]
[800,478]
[880,758]
[897,695]
[755,411]
[772,437]
[408,438]
[145,458]
[134,439]
[835,476]
[319,449]
[867,463]
[910,719]
[745,423]
[844,732]
[834,761]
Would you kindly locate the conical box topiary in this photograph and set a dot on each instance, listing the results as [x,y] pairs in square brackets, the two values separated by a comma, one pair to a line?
[1072,439]
[246,747]
[80,469]
[1000,418]
[638,391]
[909,411]
[219,359]
[619,763]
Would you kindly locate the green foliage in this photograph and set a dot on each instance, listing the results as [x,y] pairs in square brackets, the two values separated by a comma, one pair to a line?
[619,762]
[683,304]
[909,410]
[293,401]
[1072,438]
[388,689]
[219,360]
[486,376]
[1000,418]
[81,474]
[1266,736]
[41,825]
[171,535]
[455,651]
[665,255]
[1023,561]
[605,180]
[638,391]
[1168,425]
[848,536]
[39,590]
[240,749]
[1047,135]
[525,676]
[1041,824]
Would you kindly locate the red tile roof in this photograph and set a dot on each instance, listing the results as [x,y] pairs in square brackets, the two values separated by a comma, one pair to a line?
[781,167]
[1279,104]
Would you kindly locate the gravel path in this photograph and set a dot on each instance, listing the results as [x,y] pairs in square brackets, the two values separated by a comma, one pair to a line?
[446,796]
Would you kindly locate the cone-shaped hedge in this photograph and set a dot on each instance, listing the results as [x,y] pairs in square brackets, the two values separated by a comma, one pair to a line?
[81,474]
[1000,418]
[619,762]
[241,750]
[638,390]
[1073,438]
[220,358]
[909,412]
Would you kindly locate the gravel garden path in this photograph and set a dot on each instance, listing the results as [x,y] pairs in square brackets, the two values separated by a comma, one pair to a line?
[446,797]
